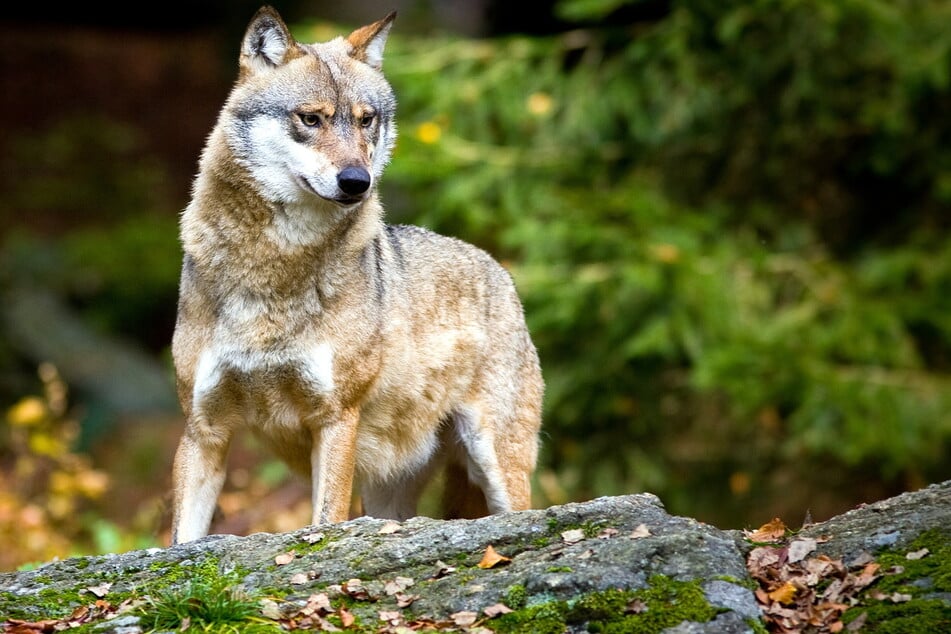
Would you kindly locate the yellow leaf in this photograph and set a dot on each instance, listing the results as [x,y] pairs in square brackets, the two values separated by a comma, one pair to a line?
[769,532]
[28,412]
[785,594]
[491,558]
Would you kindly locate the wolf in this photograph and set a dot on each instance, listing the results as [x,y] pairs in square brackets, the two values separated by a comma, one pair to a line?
[364,354]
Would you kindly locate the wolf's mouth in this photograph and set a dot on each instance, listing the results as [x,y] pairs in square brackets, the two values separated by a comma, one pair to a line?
[344,200]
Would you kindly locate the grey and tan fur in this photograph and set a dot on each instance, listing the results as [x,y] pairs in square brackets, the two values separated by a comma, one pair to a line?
[357,351]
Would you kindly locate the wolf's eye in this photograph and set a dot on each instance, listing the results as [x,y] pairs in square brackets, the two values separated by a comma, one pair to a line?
[367,120]
[310,120]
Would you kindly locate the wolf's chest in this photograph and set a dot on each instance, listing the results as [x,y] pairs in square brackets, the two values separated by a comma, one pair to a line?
[265,365]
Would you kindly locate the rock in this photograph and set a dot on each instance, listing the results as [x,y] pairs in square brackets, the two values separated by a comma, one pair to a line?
[570,566]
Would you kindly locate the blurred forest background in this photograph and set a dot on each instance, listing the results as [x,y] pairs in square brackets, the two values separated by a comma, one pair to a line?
[728,221]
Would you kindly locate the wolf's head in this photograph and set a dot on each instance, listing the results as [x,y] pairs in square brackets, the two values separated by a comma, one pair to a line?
[311,122]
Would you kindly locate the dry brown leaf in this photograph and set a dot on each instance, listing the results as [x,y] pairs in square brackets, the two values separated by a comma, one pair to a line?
[491,558]
[608,533]
[98,591]
[800,548]
[917,554]
[772,531]
[299,578]
[761,558]
[404,600]
[495,610]
[390,527]
[573,536]
[640,532]
[355,589]
[313,538]
[464,618]
[442,569]
[857,622]
[393,617]
[397,585]
[285,558]
[635,606]
[271,610]
[346,618]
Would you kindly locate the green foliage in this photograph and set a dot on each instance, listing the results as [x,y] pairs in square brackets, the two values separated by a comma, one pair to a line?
[662,604]
[722,224]
[215,604]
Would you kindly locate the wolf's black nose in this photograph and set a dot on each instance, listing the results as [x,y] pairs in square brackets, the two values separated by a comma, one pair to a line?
[353,180]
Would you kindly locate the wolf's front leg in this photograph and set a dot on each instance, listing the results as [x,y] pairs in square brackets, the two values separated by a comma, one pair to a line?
[332,466]
[198,474]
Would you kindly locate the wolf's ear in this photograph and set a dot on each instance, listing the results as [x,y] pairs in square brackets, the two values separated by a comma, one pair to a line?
[267,42]
[368,41]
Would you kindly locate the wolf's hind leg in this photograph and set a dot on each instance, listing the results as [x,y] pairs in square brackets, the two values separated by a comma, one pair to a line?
[486,468]
[462,498]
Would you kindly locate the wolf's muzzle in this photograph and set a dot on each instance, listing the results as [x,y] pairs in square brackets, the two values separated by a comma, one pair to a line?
[353,180]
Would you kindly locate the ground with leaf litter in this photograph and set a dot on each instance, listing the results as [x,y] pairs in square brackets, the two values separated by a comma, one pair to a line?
[619,564]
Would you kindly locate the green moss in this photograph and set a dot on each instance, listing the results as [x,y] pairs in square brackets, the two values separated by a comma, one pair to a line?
[918,578]
[664,603]
[559,569]
[934,567]
[516,597]
[911,617]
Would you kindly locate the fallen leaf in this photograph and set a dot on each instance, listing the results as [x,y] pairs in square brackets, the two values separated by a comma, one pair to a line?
[319,602]
[270,610]
[404,600]
[390,527]
[640,531]
[442,569]
[495,610]
[607,533]
[586,554]
[285,558]
[346,618]
[313,538]
[393,617]
[857,622]
[355,589]
[761,558]
[917,554]
[800,548]
[491,558]
[573,536]
[186,623]
[464,618]
[635,606]
[772,531]
[785,594]
[397,585]
[868,575]
[299,578]
[98,591]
